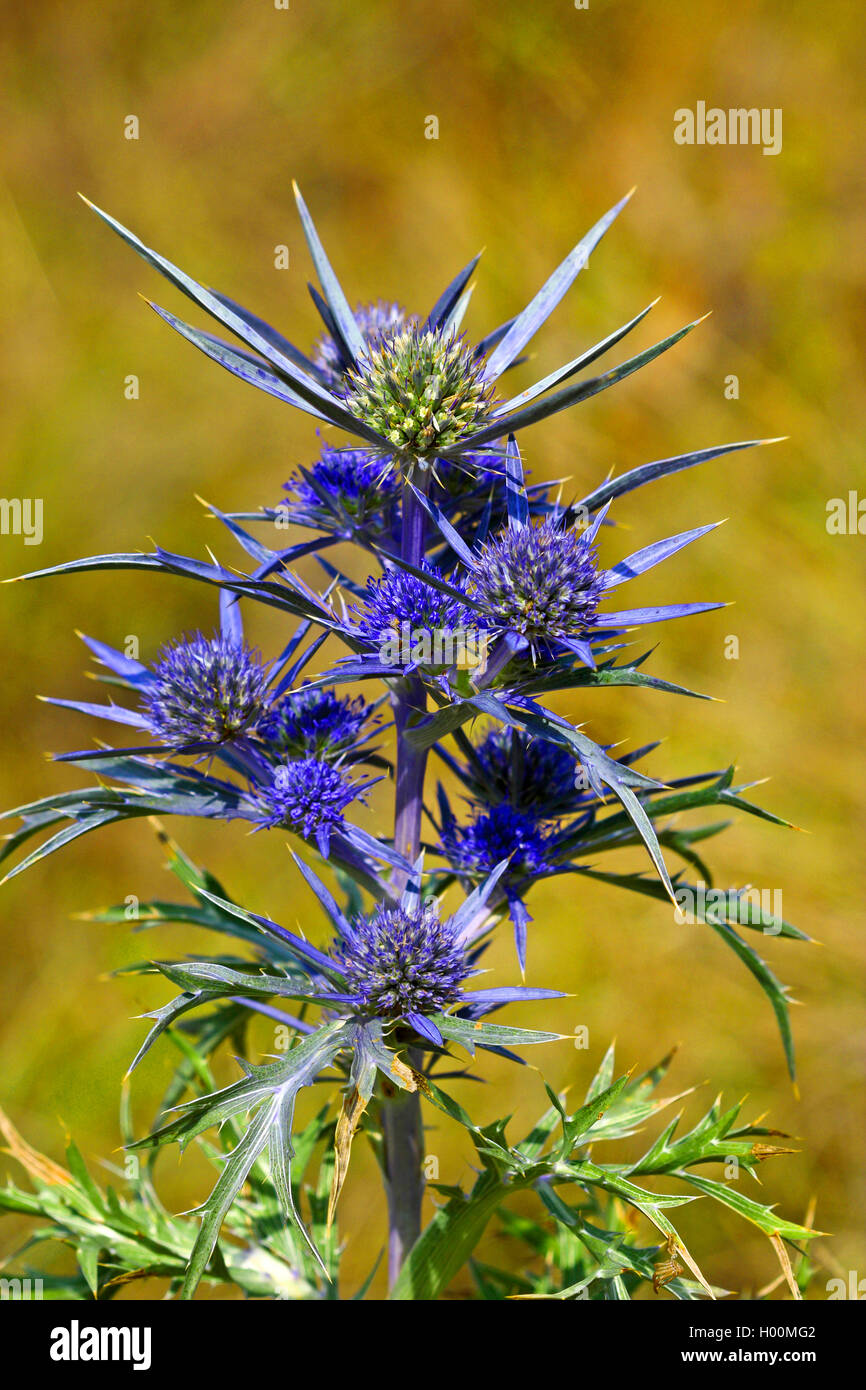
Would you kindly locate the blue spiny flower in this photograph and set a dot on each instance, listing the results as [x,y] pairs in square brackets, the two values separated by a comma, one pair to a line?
[540,582]
[502,832]
[403,961]
[205,690]
[313,721]
[352,480]
[531,774]
[307,796]
[535,776]
[538,585]
[416,392]
[398,600]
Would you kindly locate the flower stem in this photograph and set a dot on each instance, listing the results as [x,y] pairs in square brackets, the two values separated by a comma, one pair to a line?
[411,762]
[401,1112]
[409,778]
[404,1138]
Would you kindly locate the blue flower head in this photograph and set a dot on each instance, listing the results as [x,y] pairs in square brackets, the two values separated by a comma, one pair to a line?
[539,581]
[530,774]
[351,480]
[307,796]
[403,960]
[398,597]
[205,690]
[410,389]
[502,832]
[313,721]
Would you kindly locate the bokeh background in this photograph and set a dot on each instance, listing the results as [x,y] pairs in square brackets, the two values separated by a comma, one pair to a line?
[547,114]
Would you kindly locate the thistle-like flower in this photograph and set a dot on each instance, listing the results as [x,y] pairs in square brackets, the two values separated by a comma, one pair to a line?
[424,392]
[399,603]
[474,475]
[353,481]
[307,796]
[313,721]
[532,775]
[419,392]
[403,961]
[539,585]
[205,690]
[541,582]
[500,834]
[406,963]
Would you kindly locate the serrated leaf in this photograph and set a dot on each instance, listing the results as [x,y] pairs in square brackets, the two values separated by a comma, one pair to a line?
[761,1216]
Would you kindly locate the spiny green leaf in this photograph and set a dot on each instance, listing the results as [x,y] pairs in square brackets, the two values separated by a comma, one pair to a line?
[761,1216]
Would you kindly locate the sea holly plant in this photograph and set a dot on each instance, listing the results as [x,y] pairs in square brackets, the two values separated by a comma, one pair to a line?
[486,596]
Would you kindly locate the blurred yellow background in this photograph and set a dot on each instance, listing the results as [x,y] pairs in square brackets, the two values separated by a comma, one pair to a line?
[547,114]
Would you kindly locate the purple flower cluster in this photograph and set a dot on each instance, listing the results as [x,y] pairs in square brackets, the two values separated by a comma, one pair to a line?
[403,960]
[313,721]
[307,796]
[353,480]
[205,690]
[540,581]
[399,597]
[502,832]
[531,774]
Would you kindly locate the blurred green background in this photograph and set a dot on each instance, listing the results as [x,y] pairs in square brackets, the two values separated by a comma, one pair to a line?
[547,114]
